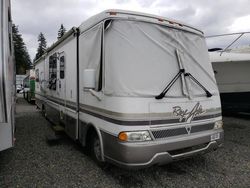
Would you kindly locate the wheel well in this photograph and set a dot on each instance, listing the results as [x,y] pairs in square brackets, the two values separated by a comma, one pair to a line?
[91,131]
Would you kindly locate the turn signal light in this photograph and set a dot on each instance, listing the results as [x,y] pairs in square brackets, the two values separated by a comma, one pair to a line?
[123,136]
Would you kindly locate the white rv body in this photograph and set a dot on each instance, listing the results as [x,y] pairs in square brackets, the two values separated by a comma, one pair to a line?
[133,57]
[7,84]
[233,78]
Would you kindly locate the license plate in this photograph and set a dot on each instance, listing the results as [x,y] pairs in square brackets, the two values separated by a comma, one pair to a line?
[215,136]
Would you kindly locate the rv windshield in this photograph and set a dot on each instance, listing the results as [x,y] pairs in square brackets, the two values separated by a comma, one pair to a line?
[140,60]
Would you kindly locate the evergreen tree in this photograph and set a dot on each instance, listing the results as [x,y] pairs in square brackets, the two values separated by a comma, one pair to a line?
[61,32]
[22,57]
[42,44]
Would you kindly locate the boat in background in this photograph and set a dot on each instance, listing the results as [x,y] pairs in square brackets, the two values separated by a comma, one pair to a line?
[232,73]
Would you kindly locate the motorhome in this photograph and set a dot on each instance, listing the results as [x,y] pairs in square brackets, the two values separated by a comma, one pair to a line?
[7,81]
[29,86]
[136,89]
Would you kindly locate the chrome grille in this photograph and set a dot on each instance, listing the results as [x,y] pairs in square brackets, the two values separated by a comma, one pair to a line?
[165,133]
[199,128]
[158,134]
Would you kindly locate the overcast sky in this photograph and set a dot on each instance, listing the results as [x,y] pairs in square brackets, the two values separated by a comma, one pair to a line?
[213,17]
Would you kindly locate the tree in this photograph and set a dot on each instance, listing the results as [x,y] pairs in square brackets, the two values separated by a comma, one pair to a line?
[22,57]
[42,45]
[61,32]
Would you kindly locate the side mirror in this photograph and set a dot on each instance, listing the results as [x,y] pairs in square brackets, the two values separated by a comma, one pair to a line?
[89,78]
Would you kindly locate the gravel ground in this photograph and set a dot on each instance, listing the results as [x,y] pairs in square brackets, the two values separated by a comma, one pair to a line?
[35,163]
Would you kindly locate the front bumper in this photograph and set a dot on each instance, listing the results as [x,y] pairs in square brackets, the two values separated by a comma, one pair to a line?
[144,154]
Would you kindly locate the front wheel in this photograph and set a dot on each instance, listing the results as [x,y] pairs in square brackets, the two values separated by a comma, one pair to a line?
[95,150]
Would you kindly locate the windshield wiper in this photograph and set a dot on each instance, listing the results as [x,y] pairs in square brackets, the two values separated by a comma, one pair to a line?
[163,93]
[181,71]
[199,84]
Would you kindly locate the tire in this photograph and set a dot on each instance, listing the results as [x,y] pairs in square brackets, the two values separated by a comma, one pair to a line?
[44,114]
[95,150]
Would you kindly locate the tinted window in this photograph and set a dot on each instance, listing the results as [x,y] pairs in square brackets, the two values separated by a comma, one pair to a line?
[62,67]
[37,75]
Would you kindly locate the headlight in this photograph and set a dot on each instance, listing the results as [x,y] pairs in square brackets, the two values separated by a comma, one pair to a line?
[137,136]
[218,124]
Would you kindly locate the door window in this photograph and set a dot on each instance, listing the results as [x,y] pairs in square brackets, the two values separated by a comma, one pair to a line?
[62,67]
[52,71]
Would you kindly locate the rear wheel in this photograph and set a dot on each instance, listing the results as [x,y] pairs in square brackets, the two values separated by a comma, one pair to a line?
[44,114]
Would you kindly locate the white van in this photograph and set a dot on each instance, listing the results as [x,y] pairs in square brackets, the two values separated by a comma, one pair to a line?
[138,89]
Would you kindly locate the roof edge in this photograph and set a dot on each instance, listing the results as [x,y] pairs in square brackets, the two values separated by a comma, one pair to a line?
[64,37]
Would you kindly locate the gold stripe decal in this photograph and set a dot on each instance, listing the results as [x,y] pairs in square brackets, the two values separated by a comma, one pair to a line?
[133,119]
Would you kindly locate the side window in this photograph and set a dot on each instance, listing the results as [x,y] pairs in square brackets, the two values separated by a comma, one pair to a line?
[92,41]
[52,66]
[37,75]
[52,71]
[62,67]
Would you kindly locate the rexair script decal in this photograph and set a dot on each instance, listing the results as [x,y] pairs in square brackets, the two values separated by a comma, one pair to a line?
[188,116]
